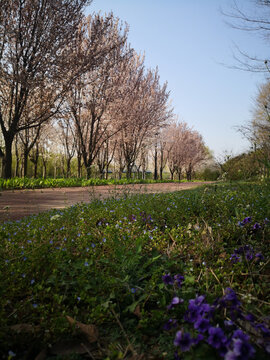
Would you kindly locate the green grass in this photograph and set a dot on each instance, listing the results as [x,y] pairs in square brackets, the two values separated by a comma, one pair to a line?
[102,264]
[27,183]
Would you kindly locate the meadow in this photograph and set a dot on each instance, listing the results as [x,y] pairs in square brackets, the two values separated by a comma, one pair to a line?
[183,275]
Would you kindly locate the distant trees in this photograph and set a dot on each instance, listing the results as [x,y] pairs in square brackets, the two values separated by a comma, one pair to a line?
[184,149]
[72,87]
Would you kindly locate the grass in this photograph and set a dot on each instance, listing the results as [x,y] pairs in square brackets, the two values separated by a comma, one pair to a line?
[101,280]
[28,183]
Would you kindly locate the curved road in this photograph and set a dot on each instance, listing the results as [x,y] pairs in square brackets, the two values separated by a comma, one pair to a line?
[15,204]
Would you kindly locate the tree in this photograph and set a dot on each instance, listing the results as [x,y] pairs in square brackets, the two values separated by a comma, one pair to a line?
[252,19]
[92,96]
[185,149]
[145,111]
[68,139]
[36,55]
[259,128]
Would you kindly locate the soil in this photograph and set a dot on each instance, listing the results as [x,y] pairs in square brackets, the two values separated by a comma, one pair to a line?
[15,204]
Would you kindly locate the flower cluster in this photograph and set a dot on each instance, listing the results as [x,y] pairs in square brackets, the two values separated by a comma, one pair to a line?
[246,220]
[246,252]
[256,226]
[173,280]
[230,342]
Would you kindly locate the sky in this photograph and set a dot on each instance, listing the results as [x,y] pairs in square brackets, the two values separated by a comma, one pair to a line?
[193,46]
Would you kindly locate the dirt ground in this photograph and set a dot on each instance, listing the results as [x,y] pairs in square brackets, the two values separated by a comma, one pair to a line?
[15,204]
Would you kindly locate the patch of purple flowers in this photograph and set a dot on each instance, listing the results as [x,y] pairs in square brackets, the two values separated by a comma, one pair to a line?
[240,348]
[247,252]
[167,279]
[183,340]
[177,279]
[217,339]
[198,309]
[246,220]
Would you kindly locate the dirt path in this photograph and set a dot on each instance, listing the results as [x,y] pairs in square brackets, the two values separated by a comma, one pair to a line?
[15,204]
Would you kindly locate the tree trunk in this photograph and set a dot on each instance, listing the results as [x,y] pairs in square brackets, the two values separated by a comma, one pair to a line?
[8,157]
[156,170]
[44,173]
[79,168]
[88,172]
[129,168]
[161,165]
[68,166]
[161,173]
[25,162]
[35,169]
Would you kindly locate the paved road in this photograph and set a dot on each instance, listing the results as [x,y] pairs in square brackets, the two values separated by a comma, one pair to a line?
[15,204]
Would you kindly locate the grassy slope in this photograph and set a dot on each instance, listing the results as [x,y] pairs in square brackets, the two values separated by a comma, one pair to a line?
[102,264]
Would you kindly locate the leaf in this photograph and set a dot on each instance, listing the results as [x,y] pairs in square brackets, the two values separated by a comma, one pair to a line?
[132,307]
[90,331]
[189,280]
[137,311]
[26,328]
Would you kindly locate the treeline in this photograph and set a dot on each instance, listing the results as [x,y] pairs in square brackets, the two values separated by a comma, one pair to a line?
[73,91]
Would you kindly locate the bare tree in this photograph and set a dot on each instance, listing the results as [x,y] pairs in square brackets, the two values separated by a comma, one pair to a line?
[36,54]
[67,135]
[106,156]
[254,20]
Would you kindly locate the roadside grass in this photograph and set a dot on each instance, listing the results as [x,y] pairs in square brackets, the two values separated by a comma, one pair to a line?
[29,183]
[155,276]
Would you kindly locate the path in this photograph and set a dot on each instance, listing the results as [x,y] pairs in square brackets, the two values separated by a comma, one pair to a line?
[15,204]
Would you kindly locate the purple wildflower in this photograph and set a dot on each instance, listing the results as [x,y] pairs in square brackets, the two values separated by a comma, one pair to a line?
[193,312]
[242,349]
[216,337]
[184,341]
[198,339]
[202,324]
[175,301]
[167,279]
[228,323]
[249,256]
[235,258]
[239,334]
[265,331]
[199,299]
[256,226]
[230,296]
[196,309]
[179,279]
[246,220]
[171,323]
[259,257]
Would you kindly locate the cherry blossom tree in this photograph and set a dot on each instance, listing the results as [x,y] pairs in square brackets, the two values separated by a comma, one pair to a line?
[91,98]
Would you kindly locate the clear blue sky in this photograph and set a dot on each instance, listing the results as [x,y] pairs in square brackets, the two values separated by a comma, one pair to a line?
[189,41]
